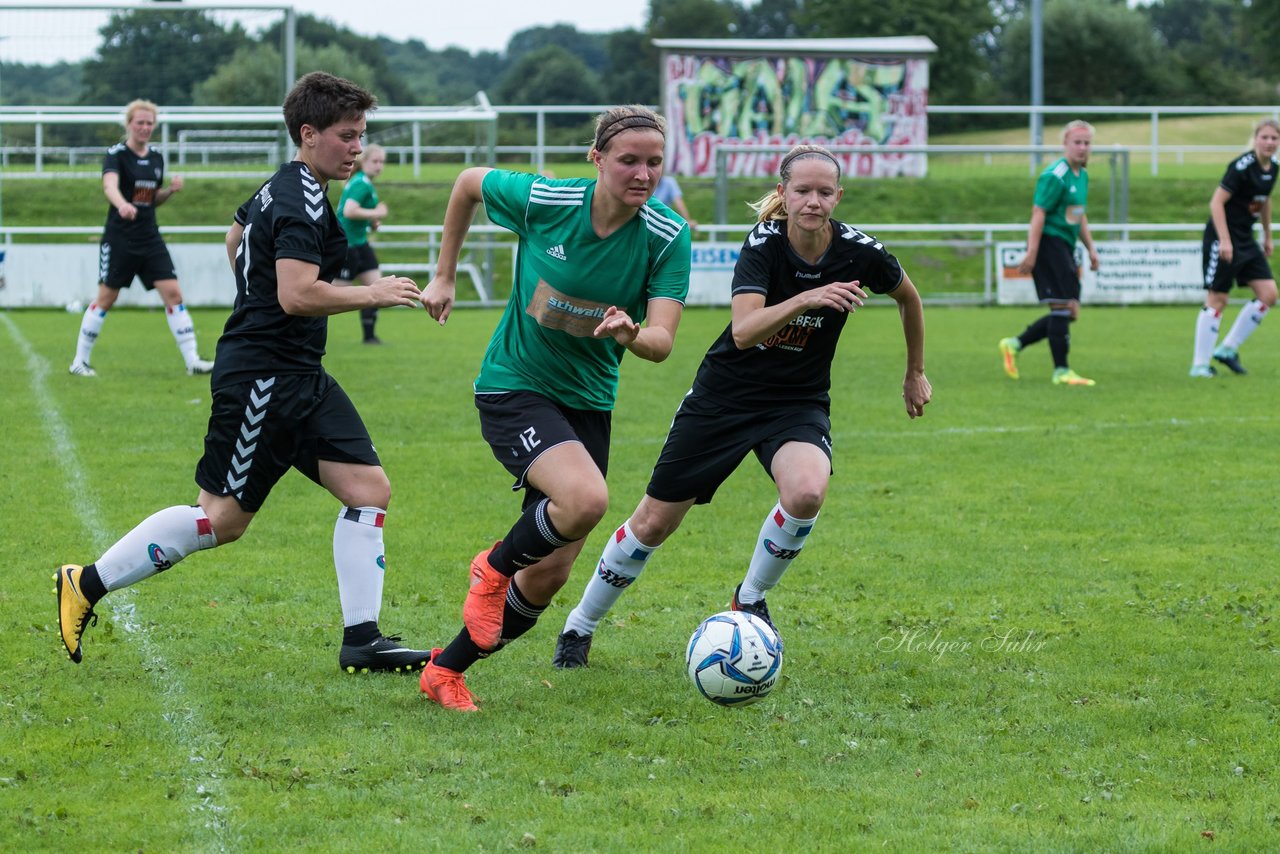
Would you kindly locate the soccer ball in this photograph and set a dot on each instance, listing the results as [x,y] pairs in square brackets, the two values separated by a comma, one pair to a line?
[734,658]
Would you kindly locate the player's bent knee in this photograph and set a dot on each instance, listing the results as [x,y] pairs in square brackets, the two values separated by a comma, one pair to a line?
[805,502]
[580,512]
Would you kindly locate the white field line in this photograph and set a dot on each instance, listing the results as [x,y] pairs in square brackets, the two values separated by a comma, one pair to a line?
[202,775]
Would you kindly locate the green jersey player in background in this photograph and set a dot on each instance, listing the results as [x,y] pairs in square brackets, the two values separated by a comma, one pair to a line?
[1058,220]
[360,212]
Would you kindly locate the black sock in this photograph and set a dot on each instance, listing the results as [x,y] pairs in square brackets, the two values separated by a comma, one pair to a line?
[1036,331]
[518,615]
[530,539]
[368,317]
[461,653]
[1059,338]
[91,584]
[360,634]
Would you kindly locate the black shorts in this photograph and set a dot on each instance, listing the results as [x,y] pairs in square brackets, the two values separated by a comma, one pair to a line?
[1055,272]
[360,259]
[707,442]
[120,260]
[1248,264]
[521,426]
[260,429]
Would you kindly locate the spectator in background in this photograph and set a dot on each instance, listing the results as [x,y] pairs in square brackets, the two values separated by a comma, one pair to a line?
[1058,220]
[668,192]
[131,245]
[360,212]
[1232,256]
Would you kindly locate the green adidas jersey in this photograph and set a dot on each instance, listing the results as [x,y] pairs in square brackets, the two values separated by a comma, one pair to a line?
[359,188]
[565,278]
[1063,195]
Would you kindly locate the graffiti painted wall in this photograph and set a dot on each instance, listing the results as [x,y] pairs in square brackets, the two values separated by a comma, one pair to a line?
[720,101]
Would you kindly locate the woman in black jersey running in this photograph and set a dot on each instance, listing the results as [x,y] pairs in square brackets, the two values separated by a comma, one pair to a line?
[763,387]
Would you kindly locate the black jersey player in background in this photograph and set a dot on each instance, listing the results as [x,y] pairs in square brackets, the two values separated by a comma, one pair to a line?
[764,387]
[274,406]
[1231,256]
[131,245]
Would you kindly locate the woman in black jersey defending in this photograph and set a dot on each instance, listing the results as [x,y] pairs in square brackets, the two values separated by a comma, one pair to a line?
[763,387]
[131,245]
[1231,255]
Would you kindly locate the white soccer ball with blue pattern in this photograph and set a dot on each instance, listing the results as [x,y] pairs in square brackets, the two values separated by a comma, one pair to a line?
[734,658]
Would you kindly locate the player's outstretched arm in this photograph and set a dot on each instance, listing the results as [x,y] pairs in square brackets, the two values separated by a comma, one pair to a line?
[753,321]
[467,194]
[232,240]
[916,389]
[302,294]
[653,341]
[1034,232]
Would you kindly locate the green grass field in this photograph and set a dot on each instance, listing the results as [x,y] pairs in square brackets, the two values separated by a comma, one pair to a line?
[1038,619]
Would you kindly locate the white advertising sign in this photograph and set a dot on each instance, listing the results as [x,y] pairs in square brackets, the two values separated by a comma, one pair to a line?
[711,273]
[1129,272]
[62,274]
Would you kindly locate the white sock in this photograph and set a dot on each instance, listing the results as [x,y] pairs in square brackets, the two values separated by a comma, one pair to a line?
[157,543]
[90,329]
[1206,334]
[1249,319]
[184,331]
[360,562]
[781,538]
[621,562]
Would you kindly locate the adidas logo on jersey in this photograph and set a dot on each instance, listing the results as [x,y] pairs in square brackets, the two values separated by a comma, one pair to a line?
[557,252]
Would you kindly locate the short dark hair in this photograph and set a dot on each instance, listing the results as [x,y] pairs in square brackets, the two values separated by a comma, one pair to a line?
[321,100]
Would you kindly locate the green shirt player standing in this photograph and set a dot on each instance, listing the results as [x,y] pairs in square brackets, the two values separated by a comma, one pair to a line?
[602,269]
[1058,220]
[360,212]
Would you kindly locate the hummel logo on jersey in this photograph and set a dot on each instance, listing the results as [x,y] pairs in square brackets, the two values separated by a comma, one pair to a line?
[764,229]
[314,195]
[557,252]
[848,232]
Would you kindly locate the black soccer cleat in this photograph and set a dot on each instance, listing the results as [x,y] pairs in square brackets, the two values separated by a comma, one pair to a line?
[572,650]
[759,609]
[1230,358]
[383,654]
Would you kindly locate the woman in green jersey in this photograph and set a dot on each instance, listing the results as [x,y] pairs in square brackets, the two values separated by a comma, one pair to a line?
[360,212]
[602,270]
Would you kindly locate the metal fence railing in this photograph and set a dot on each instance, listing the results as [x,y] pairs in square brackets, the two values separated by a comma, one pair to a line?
[489,256]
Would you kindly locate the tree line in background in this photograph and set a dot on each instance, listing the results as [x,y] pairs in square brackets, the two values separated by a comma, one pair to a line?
[1102,52]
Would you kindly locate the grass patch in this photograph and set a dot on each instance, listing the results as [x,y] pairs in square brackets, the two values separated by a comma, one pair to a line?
[1039,618]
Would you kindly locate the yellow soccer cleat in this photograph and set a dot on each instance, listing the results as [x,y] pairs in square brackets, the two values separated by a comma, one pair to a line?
[74,610]
[1066,376]
[1009,348]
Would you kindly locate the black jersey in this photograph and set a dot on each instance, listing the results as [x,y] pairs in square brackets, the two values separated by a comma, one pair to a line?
[140,178]
[289,217]
[794,364]
[1250,187]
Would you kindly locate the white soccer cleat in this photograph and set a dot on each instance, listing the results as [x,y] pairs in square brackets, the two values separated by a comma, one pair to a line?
[199,366]
[81,369]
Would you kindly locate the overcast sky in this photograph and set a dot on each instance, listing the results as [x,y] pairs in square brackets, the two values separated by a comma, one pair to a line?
[43,36]
[474,24]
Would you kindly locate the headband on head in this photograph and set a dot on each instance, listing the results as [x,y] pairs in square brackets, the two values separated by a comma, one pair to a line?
[786,161]
[603,135]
